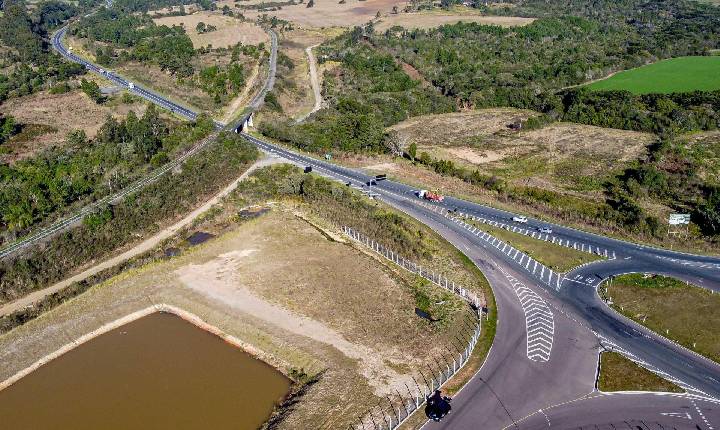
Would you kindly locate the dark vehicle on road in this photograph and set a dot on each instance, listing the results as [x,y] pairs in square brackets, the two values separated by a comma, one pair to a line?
[308,169]
[437,406]
[381,177]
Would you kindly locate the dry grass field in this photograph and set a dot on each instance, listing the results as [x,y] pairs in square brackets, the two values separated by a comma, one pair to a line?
[53,116]
[301,299]
[436,18]
[152,77]
[561,156]
[230,31]
[330,13]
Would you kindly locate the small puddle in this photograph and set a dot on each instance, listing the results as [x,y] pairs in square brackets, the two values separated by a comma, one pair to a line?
[199,237]
[158,372]
[252,213]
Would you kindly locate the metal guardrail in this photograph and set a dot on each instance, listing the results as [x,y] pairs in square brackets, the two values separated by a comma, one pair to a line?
[398,408]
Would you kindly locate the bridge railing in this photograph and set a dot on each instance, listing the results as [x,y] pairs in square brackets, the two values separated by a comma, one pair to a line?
[390,413]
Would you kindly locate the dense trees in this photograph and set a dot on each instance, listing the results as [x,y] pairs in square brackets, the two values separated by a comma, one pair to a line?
[8,128]
[19,32]
[92,90]
[141,40]
[33,189]
[138,214]
[373,93]
[34,67]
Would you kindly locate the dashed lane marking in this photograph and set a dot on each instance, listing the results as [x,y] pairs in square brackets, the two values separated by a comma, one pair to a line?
[546,275]
[579,246]
[702,416]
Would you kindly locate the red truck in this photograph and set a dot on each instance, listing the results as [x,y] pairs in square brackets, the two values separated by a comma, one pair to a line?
[429,195]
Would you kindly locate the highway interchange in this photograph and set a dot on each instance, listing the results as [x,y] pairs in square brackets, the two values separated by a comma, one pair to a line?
[541,370]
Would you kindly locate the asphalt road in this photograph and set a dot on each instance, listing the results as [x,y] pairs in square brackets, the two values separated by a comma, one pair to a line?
[583,319]
[152,97]
[524,377]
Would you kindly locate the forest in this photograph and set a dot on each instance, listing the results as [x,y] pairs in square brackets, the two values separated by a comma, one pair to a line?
[136,215]
[29,65]
[36,189]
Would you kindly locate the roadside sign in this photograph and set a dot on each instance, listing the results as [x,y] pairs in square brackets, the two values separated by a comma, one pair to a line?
[679,219]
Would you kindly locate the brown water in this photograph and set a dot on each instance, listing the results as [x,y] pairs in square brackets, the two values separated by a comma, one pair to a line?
[159,372]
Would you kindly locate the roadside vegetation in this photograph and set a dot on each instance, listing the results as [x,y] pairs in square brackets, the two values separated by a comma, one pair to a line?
[145,49]
[676,75]
[277,219]
[617,373]
[670,308]
[86,169]
[384,78]
[139,214]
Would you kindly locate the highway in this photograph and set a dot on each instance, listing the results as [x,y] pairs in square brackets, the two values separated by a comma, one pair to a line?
[583,324]
[64,223]
[541,370]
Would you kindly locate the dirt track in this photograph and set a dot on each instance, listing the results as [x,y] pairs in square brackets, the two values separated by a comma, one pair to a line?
[138,249]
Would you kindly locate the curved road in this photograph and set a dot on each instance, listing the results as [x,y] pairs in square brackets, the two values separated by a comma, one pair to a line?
[541,369]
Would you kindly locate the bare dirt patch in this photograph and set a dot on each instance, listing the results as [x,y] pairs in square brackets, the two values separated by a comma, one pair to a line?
[330,13]
[456,128]
[230,31]
[275,283]
[431,19]
[562,153]
[62,113]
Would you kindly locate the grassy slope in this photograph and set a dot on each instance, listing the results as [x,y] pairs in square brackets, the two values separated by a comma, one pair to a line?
[689,313]
[617,373]
[682,74]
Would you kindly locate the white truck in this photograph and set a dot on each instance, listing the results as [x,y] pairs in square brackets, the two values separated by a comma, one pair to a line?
[131,85]
[519,218]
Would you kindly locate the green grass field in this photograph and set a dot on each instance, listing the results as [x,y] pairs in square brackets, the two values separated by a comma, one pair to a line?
[676,75]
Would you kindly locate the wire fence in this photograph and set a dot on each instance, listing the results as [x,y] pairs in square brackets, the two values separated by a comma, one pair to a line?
[391,412]
[436,278]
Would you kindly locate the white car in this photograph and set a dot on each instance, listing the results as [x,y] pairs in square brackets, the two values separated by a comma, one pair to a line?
[520,219]
[546,230]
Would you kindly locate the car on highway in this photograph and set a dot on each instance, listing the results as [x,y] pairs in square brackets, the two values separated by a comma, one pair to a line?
[546,230]
[520,219]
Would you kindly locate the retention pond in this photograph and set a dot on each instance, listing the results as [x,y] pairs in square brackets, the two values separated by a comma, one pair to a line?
[157,372]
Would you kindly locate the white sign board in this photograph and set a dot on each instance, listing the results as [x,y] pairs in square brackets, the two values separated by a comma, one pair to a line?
[679,219]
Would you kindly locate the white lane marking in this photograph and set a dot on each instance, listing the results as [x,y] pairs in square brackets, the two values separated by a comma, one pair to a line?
[685,415]
[539,321]
[702,416]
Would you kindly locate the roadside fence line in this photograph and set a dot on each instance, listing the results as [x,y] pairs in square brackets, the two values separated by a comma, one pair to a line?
[436,278]
[390,414]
